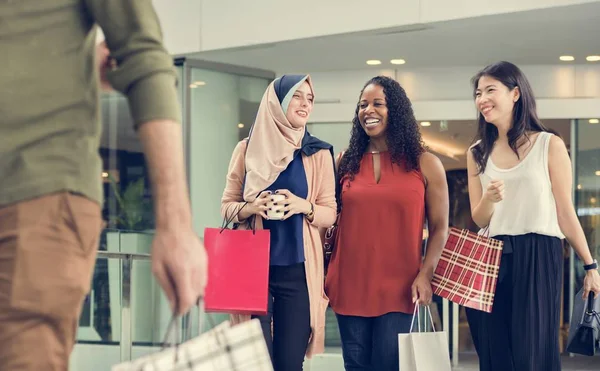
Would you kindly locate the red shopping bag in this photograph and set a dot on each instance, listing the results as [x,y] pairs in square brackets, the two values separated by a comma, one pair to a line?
[467,272]
[238,271]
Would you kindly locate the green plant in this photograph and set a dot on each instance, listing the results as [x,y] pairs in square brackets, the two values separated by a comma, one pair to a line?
[135,210]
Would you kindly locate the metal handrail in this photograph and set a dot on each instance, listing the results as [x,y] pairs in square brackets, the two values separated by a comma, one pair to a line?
[122,255]
[126,343]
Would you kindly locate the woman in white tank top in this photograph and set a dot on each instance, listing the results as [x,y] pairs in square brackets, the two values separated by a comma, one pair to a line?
[520,190]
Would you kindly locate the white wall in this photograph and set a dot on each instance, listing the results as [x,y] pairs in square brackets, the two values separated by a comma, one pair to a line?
[446,94]
[235,23]
[444,10]
[181,24]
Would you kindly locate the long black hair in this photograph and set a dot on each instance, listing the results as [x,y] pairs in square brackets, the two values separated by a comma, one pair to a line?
[525,118]
[403,135]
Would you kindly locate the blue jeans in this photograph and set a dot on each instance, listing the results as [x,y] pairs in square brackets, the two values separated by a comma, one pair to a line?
[371,343]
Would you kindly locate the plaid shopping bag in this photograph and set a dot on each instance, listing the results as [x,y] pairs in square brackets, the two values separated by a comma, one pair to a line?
[223,348]
[467,272]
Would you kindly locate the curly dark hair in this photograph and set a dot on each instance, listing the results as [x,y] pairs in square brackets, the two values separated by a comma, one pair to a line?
[403,135]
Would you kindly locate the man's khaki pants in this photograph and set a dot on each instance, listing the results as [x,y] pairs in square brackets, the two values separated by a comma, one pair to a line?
[48,250]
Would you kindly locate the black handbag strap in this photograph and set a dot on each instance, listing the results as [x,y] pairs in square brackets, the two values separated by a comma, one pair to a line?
[226,222]
[590,303]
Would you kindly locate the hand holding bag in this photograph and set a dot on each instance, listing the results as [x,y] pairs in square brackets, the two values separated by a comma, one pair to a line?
[423,351]
[584,330]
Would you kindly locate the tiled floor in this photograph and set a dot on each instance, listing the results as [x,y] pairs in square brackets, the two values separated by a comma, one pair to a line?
[468,362]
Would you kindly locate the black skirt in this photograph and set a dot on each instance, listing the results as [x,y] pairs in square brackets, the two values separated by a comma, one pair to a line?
[522,332]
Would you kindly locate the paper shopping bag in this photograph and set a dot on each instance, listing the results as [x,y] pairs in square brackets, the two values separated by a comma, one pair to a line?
[467,272]
[423,351]
[224,348]
[238,270]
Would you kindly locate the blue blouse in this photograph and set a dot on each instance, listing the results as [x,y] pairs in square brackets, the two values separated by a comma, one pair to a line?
[287,237]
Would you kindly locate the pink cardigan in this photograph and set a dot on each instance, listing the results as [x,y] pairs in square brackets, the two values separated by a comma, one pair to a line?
[321,192]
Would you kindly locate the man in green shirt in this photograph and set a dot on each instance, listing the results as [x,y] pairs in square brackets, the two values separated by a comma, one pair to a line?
[50,169]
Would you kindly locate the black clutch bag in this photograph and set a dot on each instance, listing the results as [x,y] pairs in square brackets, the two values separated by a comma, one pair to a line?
[584,331]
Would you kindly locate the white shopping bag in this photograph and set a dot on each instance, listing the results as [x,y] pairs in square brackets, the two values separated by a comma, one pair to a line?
[224,348]
[423,351]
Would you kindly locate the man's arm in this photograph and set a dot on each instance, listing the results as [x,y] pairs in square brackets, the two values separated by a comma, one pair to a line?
[144,72]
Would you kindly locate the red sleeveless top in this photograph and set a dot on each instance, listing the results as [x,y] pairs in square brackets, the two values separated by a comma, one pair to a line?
[379,243]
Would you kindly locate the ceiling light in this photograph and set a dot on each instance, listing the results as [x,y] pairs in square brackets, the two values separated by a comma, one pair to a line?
[594,121]
[598,173]
[195,84]
[397,61]
[104,174]
[240,125]
[373,62]
[425,123]
[579,186]
[593,200]
[593,58]
[567,58]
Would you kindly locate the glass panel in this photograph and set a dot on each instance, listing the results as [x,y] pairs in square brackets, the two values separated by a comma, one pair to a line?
[128,204]
[150,311]
[223,108]
[100,320]
[128,212]
[587,194]
[94,323]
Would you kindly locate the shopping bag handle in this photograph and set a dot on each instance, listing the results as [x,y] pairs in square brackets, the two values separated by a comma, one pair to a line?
[226,222]
[221,340]
[416,313]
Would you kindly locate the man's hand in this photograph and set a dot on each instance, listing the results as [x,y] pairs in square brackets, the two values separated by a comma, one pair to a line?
[179,263]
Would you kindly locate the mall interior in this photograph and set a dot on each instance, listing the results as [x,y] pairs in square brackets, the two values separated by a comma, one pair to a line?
[226,53]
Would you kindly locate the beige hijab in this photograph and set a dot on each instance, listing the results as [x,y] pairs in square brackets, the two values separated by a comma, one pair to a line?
[272,143]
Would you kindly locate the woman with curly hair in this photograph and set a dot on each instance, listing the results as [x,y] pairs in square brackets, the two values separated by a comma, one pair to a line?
[389,186]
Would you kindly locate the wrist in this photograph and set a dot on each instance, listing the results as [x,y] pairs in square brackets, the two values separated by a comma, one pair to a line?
[250,208]
[591,267]
[427,273]
[172,219]
[308,209]
[487,202]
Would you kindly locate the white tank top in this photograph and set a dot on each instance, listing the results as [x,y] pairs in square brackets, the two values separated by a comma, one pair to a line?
[528,205]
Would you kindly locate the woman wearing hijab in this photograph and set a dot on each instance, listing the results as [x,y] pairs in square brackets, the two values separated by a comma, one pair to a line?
[281,157]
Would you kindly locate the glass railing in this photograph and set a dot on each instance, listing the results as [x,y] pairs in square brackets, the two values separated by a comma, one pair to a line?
[126,313]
